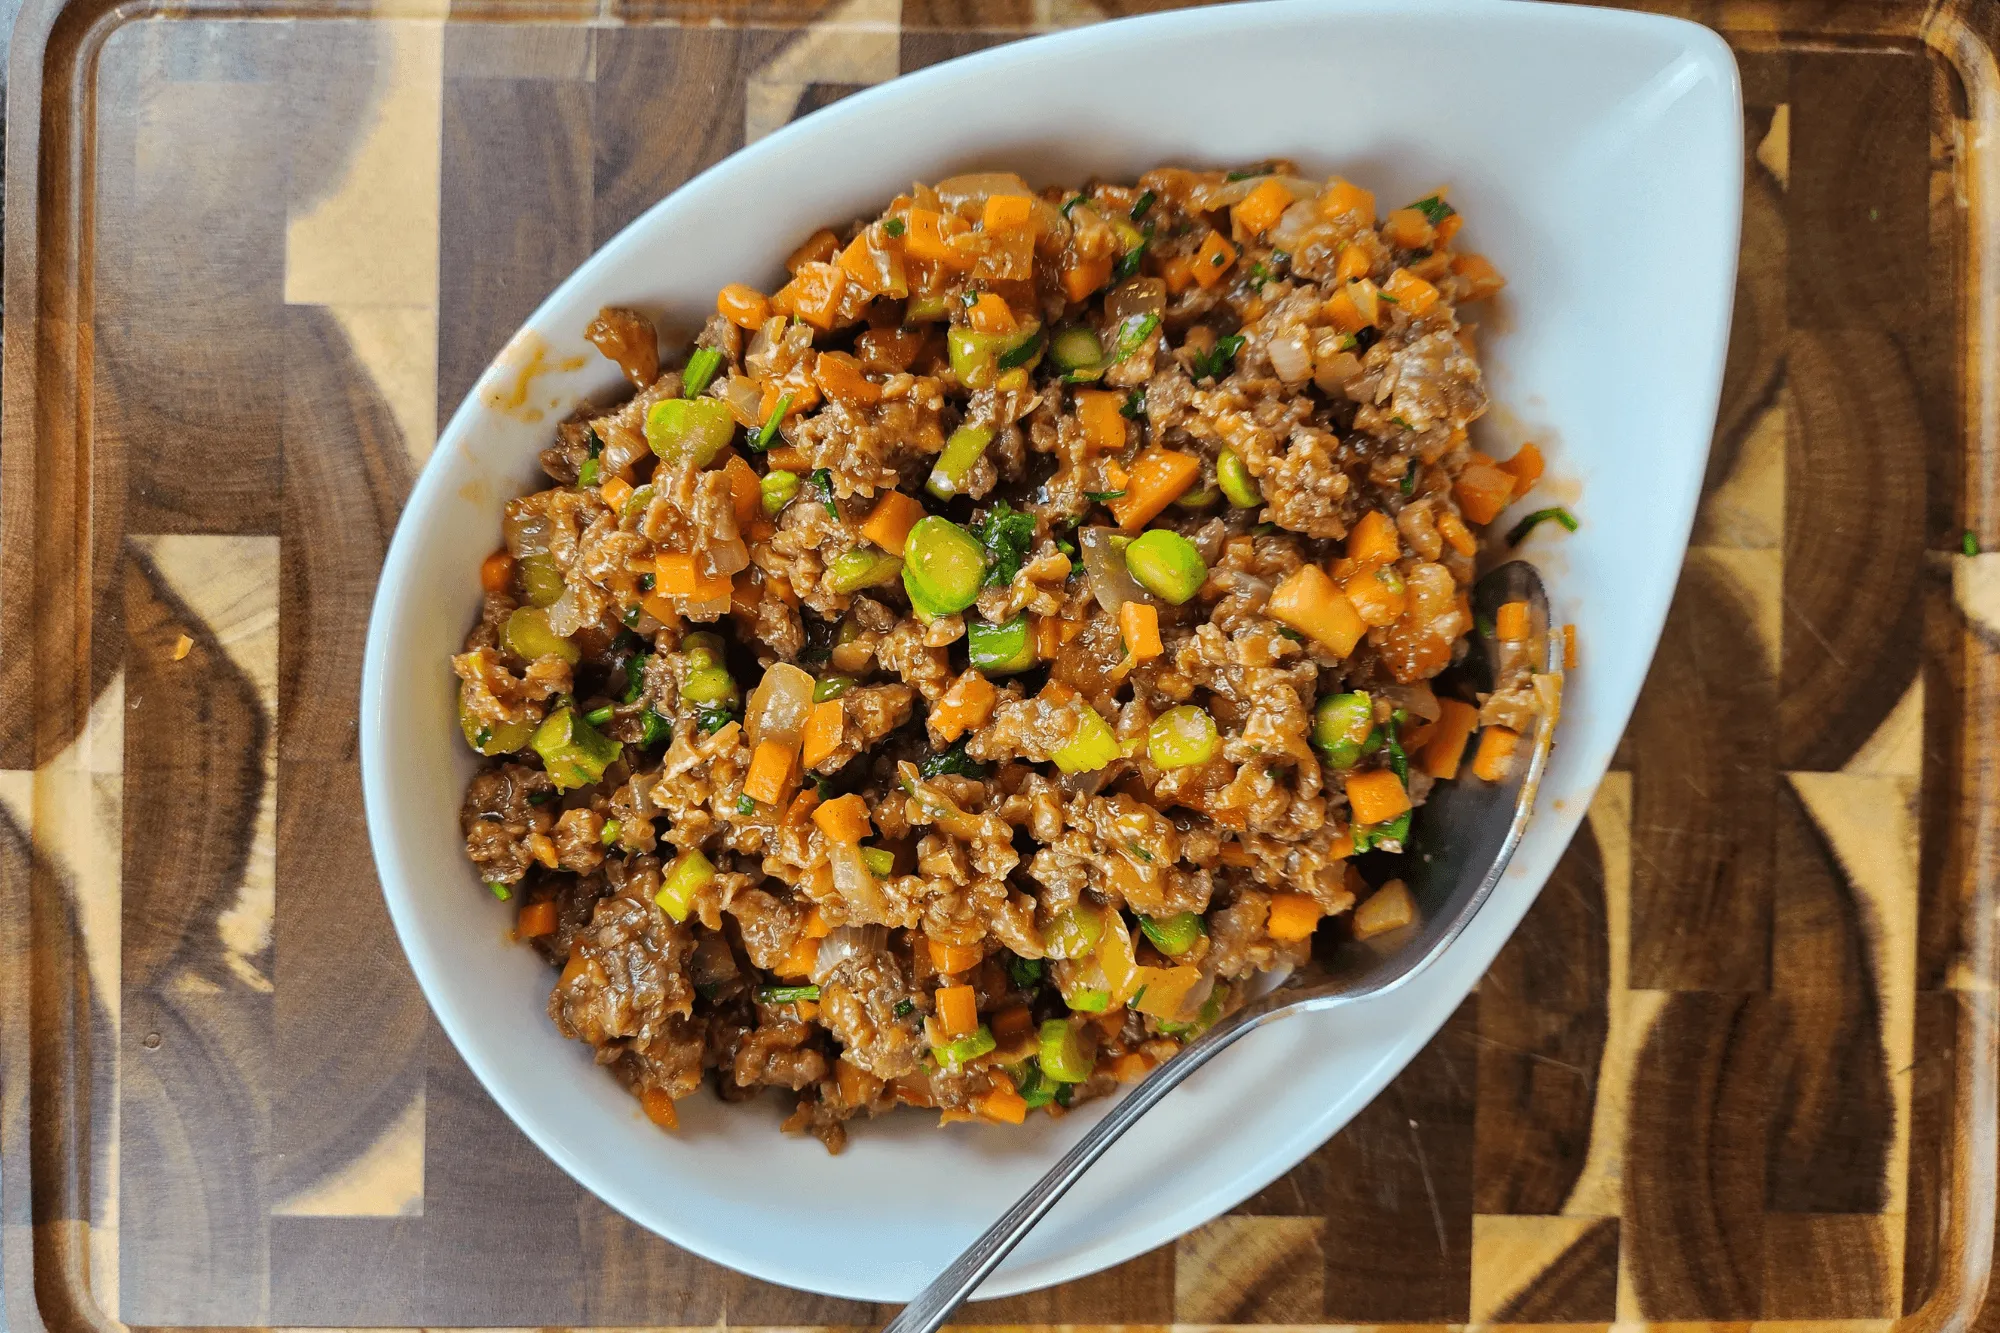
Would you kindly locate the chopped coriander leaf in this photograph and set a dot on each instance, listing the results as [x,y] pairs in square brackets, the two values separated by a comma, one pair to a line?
[1434,209]
[1291,633]
[904,1007]
[1069,204]
[1128,263]
[635,677]
[1220,359]
[893,227]
[541,798]
[499,890]
[484,738]
[654,728]
[1384,296]
[1103,497]
[953,761]
[1258,273]
[769,431]
[1006,533]
[1408,485]
[596,449]
[1404,424]
[1135,404]
[1020,355]
[822,481]
[1132,334]
[1557,514]
[1025,973]
[745,806]
[1969,543]
[647,583]
[1281,256]
[700,371]
[1263,169]
[1143,204]
[1218,259]
[709,720]
[786,994]
[631,617]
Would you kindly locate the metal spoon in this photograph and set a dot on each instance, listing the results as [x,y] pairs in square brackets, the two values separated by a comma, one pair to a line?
[1461,845]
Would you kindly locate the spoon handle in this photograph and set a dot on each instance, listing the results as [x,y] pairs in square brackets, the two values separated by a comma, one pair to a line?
[949,1290]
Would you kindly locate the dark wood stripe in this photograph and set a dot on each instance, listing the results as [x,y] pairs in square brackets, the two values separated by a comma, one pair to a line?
[1945,882]
[1580,1286]
[1755,368]
[1826,1267]
[921,47]
[1702,790]
[1138,1291]
[1933,1085]
[1542,1021]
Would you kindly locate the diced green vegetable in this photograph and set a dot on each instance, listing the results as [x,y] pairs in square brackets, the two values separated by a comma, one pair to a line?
[528,636]
[961,453]
[998,649]
[1166,564]
[1090,1001]
[1434,209]
[1234,477]
[1174,935]
[710,685]
[499,889]
[1035,1090]
[599,715]
[1075,932]
[926,308]
[862,567]
[609,833]
[636,502]
[779,487]
[689,430]
[955,1053]
[1076,347]
[1133,331]
[1060,1052]
[881,862]
[1341,726]
[1198,497]
[831,688]
[654,728]
[1090,747]
[1181,737]
[700,370]
[703,648]
[1519,532]
[541,579]
[786,994]
[574,752]
[943,567]
[635,677]
[690,875]
[486,738]
[978,358]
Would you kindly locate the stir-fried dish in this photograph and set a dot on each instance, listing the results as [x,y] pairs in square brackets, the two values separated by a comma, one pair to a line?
[987,652]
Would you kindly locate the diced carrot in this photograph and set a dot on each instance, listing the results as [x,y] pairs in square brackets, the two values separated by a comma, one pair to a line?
[965,707]
[1377,595]
[1130,1067]
[1177,273]
[1353,264]
[1569,647]
[1452,528]
[1006,212]
[1002,1104]
[496,571]
[1258,211]
[844,818]
[680,576]
[817,288]
[661,608]
[1139,622]
[1340,199]
[950,958]
[658,1104]
[536,919]
[818,248]
[822,733]
[1510,624]
[929,237]
[615,492]
[1342,845]
[1374,540]
[1098,410]
[790,458]
[1344,312]
[840,377]
[1446,746]
[1158,477]
[1309,602]
[1386,909]
[1294,916]
[807,1010]
[1407,229]
[1525,466]
[888,524]
[798,962]
[816,927]
[958,1010]
[801,808]
[1016,1020]
[1496,748]
[991,314]
[1213,259]
[1483,490]
[1048,637]
[1477,277]
[1085,276]
[1376,796]
[781,300]
[770,765]
[746,495]
[745,307]
[1411,292]
[857,1086]
[1447,228]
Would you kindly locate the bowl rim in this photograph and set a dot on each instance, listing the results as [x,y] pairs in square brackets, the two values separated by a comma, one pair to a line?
[399,566]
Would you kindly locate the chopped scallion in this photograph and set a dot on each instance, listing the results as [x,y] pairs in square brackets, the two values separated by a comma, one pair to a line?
[1556,514]
[769,431]
[700,371]
[786,994]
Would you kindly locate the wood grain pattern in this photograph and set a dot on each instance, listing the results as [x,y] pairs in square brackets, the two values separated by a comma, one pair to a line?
[1719,1076]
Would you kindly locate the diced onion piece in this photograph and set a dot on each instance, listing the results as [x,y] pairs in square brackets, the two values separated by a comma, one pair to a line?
[779,706]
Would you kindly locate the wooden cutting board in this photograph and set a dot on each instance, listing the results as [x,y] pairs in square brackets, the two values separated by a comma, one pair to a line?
[1736,1066]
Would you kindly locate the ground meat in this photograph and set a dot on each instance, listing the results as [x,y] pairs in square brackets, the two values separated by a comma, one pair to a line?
[873,1011]
[627,337]
[624,990]
[500,814]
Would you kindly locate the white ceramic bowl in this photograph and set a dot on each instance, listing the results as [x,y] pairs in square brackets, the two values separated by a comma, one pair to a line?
[1597,158]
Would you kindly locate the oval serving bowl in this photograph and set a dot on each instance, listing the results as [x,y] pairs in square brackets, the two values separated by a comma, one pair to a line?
[1597,157]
